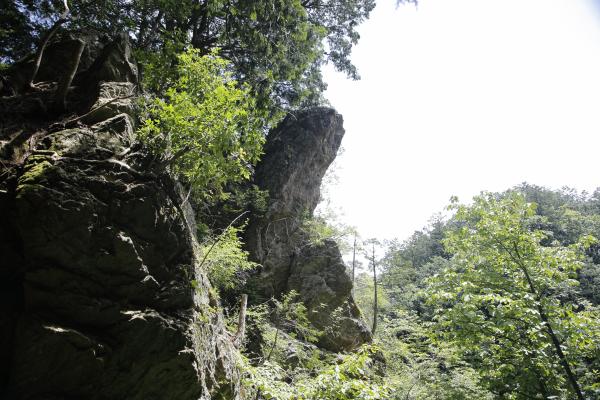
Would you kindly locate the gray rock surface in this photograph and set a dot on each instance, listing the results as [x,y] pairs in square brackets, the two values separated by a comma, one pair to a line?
[297,155]
[101,296]
[114,98]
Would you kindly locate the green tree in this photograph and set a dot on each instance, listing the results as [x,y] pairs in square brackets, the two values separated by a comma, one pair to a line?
[206,127]
[354,378]
[225,260]
[419,368]
[567,215]
[364,293]
[499,301]
[370,245]
[276,47]
[407,264]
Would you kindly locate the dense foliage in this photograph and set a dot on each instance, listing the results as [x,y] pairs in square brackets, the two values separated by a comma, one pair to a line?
[206,126]
[504,291]
[287,367]
[225,259]
[500,301]
[276,47]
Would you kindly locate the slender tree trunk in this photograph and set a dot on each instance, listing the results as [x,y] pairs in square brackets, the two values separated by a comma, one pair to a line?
[65,81]
[563,359]
[555,341]
[353,263]
[40,51]
[274,344]
[239,336]
[375,303]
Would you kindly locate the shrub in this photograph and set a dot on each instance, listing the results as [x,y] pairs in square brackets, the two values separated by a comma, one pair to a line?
[205,127]
[225,259]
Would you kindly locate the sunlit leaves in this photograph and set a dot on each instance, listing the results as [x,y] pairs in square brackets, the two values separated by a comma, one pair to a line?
[206,125]
[353,379]
[225,260]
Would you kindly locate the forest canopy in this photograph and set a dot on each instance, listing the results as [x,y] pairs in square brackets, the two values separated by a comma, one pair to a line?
[503,292]
[275,47]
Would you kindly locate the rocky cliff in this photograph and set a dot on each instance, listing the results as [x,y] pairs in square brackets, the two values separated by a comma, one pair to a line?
[98,250]
[101,293]
[297,155]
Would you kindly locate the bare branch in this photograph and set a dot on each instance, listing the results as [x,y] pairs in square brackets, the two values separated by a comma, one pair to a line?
[40,51]
[65,81]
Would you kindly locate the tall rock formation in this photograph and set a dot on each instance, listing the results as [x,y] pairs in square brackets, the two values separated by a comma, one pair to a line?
[101,292]
[297,155]
[98,253]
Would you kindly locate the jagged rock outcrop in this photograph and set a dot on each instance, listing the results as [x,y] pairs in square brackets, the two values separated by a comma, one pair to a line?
[101,296]
[297,155]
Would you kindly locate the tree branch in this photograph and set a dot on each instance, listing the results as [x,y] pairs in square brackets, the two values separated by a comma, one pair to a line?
[40,51]
[65,81]
[219,238]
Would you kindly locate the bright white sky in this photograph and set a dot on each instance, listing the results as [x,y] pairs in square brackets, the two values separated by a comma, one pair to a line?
[459,96]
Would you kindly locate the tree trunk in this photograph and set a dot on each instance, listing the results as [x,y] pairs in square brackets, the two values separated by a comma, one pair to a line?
[40,51]
[555,341]
[239,336]
[563,359]
[353,263]
[64,83]
[375,303]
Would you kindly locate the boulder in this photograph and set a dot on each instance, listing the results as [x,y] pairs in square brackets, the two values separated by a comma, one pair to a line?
[114,98]
[18,75]
[319,275]
[114,64]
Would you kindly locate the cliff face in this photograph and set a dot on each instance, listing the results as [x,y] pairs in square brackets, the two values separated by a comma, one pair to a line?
[99,253]
[101,295]
[297,155]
